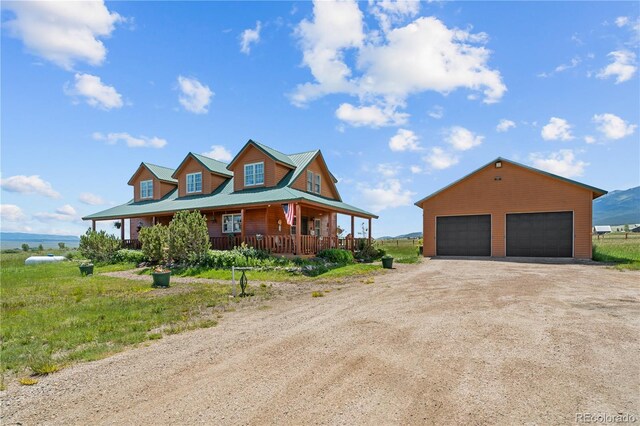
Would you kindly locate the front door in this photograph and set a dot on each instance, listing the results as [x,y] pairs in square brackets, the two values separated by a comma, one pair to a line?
[305,226]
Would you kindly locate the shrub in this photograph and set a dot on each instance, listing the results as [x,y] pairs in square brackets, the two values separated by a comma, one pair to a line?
[61,246]
[339,256]
[155,243]
[251,252]
[99,246]
[369,253]
[40,248]
[25,247]
[130,256]
[188,237]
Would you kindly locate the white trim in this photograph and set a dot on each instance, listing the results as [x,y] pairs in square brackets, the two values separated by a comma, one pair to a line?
[195,186]
[435,230]
[253,165]
[573,228]
[148,195]
[310,173]
[232,223]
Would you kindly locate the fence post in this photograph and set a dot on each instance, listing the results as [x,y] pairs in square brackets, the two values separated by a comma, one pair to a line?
[233,281]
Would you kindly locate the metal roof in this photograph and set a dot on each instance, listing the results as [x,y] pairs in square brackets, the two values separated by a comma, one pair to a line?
[599,192]
[275,155]
[161,173]
[214,166]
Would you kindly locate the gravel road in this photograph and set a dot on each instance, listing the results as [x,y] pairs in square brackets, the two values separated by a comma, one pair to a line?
[442,342]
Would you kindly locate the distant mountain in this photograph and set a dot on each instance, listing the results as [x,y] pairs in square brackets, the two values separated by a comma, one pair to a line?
[26,237]
[617,207]
[411,235]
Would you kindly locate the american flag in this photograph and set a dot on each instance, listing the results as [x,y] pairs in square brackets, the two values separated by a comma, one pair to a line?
[289,213]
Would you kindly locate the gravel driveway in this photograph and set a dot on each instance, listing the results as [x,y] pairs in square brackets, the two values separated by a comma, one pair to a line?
[444,341]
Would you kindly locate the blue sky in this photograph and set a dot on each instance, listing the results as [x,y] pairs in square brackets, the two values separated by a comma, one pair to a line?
[401,97]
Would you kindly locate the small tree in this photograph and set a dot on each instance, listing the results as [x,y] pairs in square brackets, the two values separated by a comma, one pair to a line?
[188,237]
[25,247]
[61,246]
[98,246]
[626,228]
[155,242]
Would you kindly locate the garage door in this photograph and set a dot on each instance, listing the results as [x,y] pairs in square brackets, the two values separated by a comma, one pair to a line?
[540,234]
[463,235]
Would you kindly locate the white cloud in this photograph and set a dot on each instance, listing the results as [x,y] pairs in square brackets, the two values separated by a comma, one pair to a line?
[462,139]
[132,142]
[424,55]
[96,93]
[589,139]
[63,32]
[612,126]
[371,116]
[195,96]
[11,213]
[404,140]
[621,21]
[389,12]
[440,159]
[623,66]
[28,185]
[504,125]
[220,153]
[385,195]
[557,129]
[415,169]
[387,170]
[437,112]
[91,199]
[561,68]
[53,217]
[562,163]
[67,209]
[249,37]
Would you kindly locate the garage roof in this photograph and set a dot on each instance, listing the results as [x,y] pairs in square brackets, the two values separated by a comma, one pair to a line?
[597,192]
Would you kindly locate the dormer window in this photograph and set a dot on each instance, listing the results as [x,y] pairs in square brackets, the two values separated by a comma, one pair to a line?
[318,181]
[194,182]
[314,182]
[146,189]
[309,181]
[254,174]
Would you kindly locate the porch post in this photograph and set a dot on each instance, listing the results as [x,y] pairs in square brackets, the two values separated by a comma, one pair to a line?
[153,220]
[241,225]
[93,225]
[353,234]
[298,228]
[369,231]
[122,230]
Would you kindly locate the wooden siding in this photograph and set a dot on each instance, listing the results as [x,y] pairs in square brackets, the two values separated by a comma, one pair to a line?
[518,191]
[160,189]
[273,171]
[327,189]
[210,181]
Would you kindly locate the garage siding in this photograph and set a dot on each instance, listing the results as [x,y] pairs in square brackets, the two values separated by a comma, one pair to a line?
[518,190]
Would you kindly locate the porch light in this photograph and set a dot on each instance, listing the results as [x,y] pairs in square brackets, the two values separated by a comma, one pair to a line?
[498,164]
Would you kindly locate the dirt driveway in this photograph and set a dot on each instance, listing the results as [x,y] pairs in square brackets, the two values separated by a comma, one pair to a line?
[442,342]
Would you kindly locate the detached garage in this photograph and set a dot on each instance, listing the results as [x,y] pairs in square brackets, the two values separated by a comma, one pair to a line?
[508,209]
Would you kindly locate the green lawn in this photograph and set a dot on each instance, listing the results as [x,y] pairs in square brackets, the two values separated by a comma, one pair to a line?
[615,248]
[51,316]
[403,250]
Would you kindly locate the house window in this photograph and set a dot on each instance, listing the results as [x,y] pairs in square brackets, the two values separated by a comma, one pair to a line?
[316,225]
[194,182]
[293,227]
[146,189]
[318,184]
[254,174]
[231,223]
[309,181]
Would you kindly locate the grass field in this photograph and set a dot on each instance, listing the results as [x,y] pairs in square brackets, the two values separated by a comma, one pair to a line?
[402,250]
[615,248]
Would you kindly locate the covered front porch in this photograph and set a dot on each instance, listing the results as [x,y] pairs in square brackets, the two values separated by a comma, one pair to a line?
[265,227]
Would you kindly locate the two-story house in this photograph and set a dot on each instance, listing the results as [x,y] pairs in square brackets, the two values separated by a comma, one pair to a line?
[245,200]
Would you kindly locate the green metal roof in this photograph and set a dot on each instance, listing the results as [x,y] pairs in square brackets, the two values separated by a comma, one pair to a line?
[221,198]
[597,191]
[162,173]
[275,155]
[214,166]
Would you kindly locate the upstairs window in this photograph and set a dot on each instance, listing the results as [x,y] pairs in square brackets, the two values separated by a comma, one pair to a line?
[254,174]
[194,182]
[309,181]
[318,184]
[146,189]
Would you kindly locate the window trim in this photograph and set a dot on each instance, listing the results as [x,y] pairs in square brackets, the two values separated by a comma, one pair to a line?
[318,184]
[232,223]
[149,195]
[253,174]
[195,186]
[309,181]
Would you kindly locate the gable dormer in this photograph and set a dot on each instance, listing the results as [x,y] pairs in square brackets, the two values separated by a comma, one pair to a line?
[314,176]
[152,182]
[258,166]
[200,175]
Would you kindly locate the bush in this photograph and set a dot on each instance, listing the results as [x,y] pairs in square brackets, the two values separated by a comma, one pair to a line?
[130,256]
[188,237]
[251,252]
[25,247]
[155,243]
[339,256]
[369,253]
[99,246]
[61,246]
